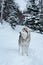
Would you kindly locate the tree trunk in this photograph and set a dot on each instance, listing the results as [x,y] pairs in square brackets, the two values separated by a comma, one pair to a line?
[2,6]
[41,16]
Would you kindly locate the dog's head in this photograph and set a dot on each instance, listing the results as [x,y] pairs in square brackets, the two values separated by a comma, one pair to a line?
[24,33]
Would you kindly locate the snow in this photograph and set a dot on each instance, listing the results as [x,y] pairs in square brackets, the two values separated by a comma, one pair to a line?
[9,54]
[21,4]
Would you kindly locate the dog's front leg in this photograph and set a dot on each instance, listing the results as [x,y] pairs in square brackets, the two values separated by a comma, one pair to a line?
[22,50]
[27,51]
[19,48]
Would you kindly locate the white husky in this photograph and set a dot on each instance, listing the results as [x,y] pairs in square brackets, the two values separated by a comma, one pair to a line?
[24,40]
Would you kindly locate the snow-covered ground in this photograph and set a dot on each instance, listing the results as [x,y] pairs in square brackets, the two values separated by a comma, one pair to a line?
[9,54]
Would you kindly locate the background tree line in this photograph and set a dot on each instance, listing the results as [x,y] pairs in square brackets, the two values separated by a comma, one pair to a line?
[32,17]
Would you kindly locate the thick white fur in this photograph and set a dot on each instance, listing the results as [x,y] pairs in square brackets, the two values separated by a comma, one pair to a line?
[24,41]
[24,34]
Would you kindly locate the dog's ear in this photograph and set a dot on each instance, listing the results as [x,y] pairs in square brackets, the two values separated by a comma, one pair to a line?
[20,34]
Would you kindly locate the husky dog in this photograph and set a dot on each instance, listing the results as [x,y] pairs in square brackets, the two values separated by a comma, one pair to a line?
[24,40]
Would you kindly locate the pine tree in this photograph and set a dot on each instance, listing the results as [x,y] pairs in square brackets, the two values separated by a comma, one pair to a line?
[7,9]
[12,14]
[33,11]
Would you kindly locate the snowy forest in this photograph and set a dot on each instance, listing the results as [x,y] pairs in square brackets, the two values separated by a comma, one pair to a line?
[31,16]
[16,15]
